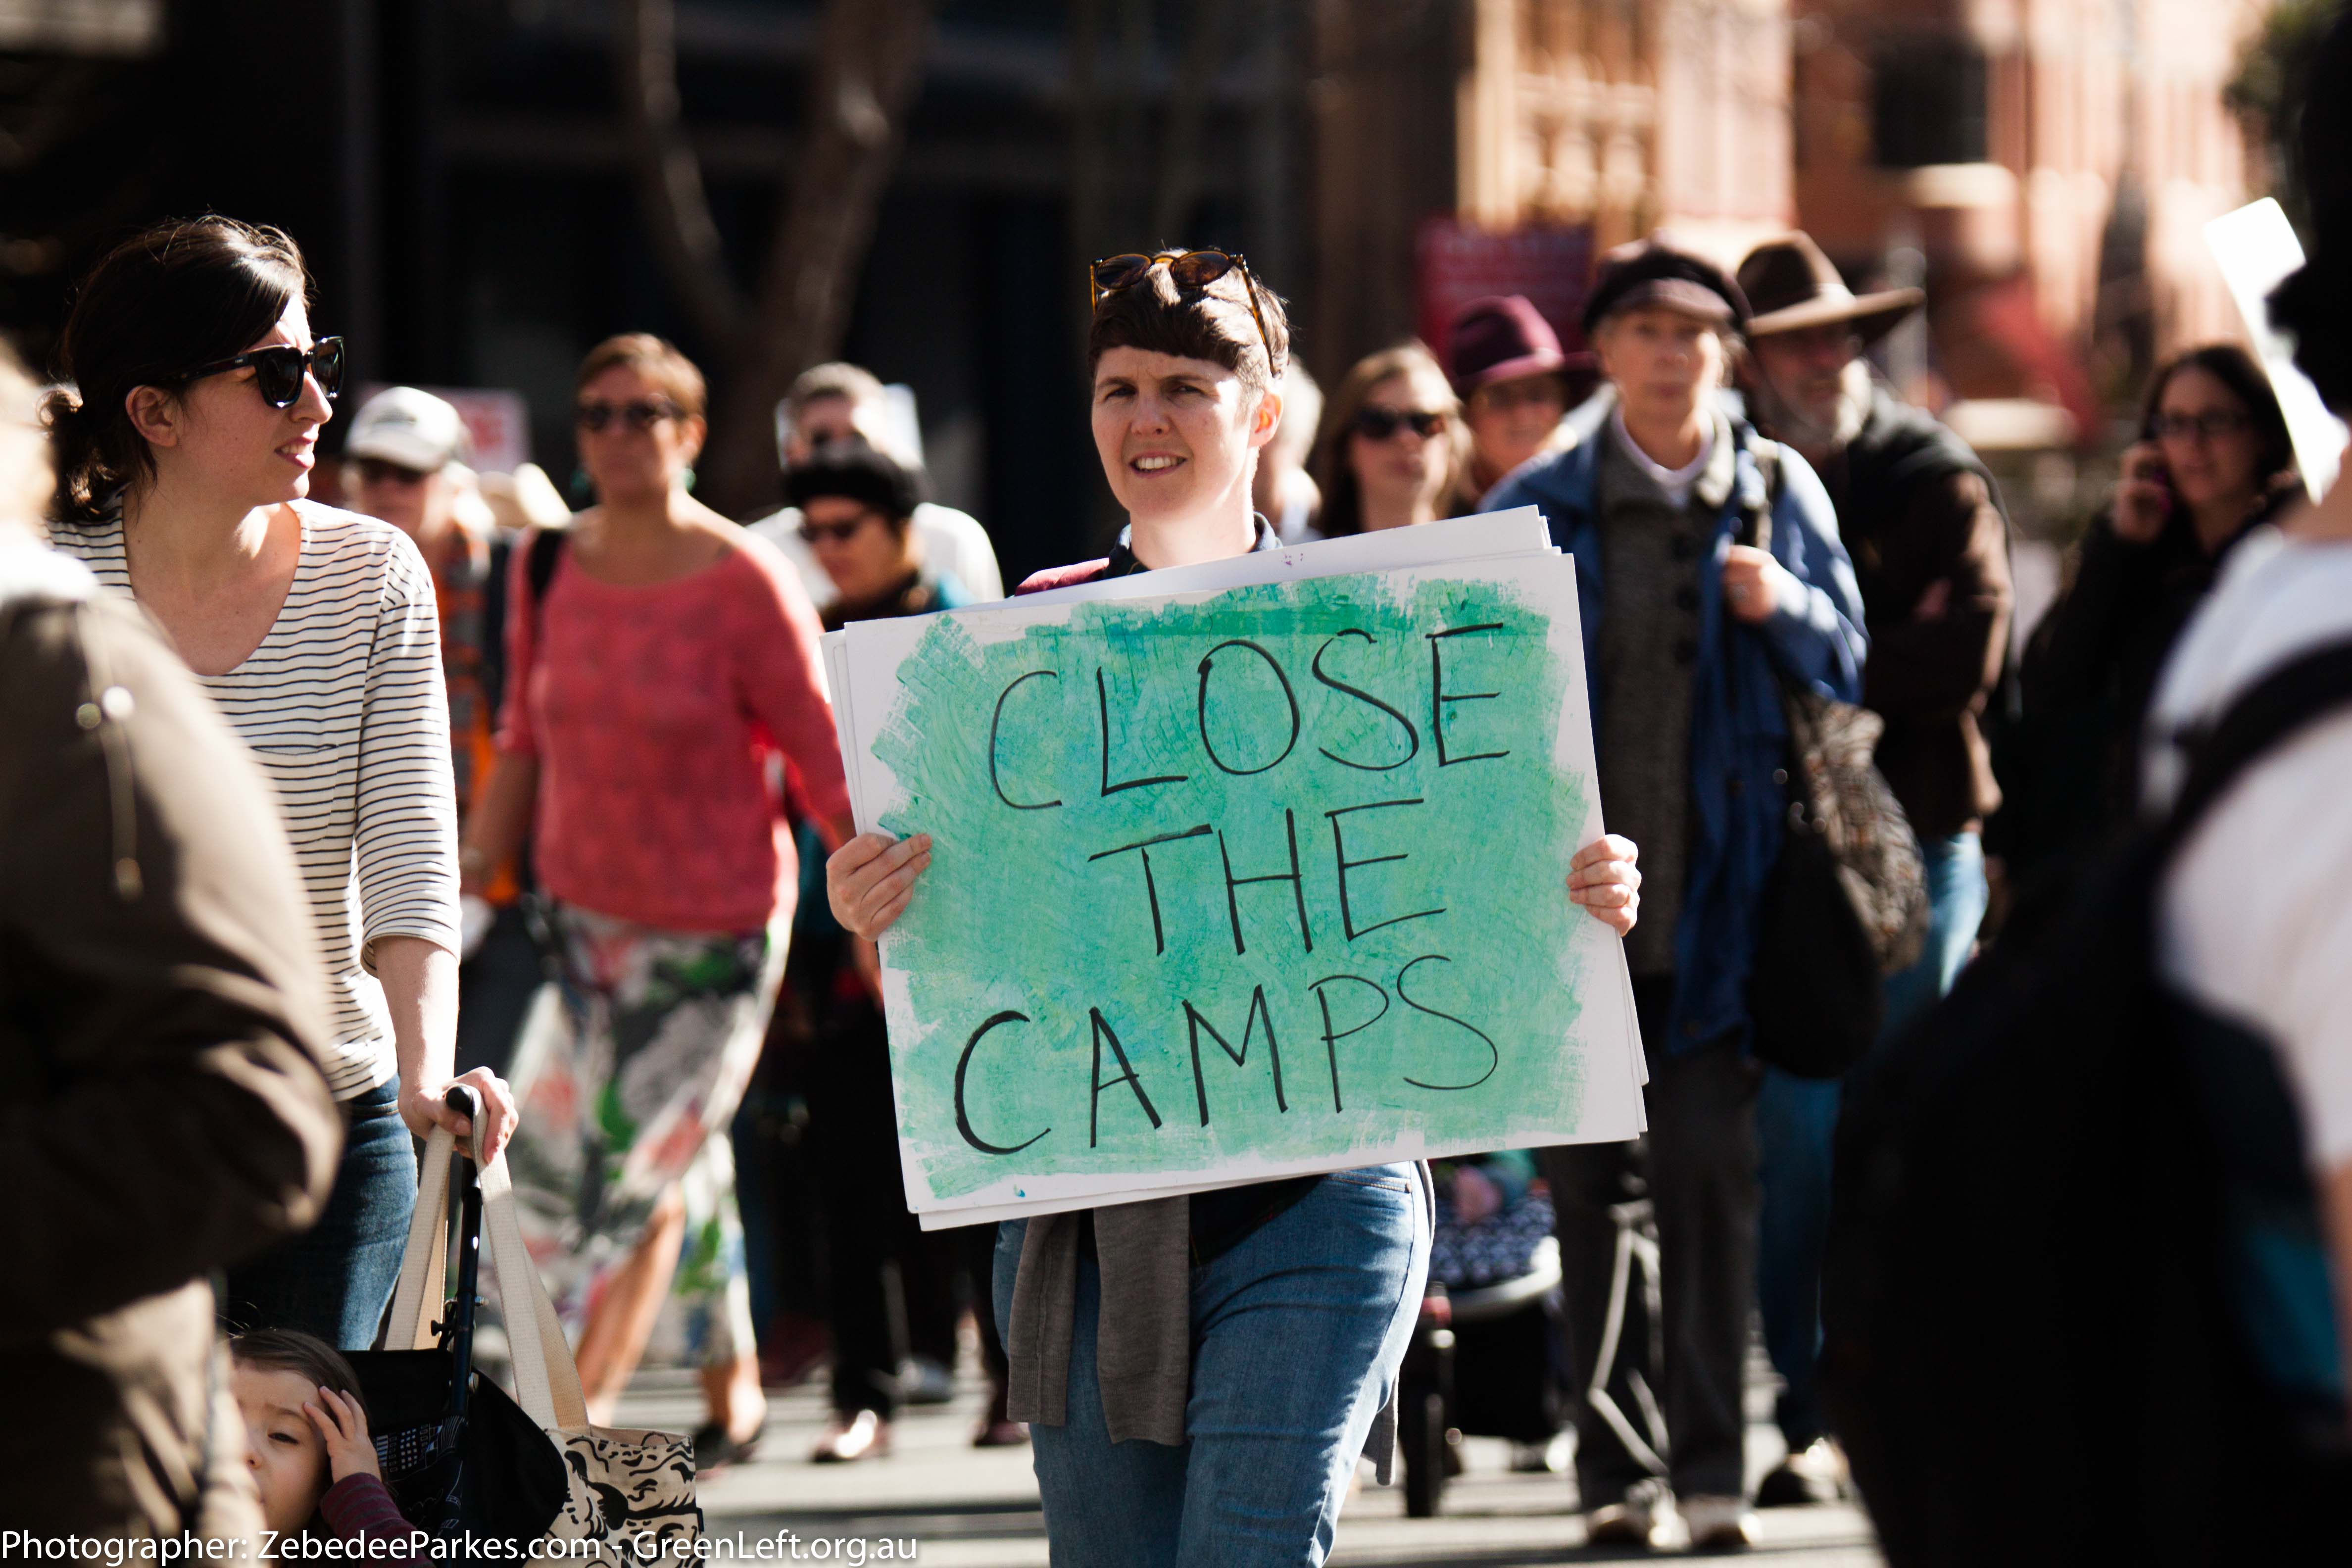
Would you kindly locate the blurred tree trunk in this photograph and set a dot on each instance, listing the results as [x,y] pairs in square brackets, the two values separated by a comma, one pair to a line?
[669,181]
[869,63]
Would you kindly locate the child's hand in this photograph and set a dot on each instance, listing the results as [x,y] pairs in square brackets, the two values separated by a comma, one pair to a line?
[343,1425]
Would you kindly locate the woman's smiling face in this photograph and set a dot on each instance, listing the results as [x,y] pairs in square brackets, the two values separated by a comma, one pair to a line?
[1175,434]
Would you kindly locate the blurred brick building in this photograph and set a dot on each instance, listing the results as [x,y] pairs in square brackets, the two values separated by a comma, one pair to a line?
[2044,166]
[1631,115]
[2054,161]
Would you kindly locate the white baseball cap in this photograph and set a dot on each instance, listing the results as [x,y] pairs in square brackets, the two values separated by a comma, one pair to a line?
[408,426]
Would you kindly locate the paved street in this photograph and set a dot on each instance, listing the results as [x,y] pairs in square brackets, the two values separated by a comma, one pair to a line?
[978,1509]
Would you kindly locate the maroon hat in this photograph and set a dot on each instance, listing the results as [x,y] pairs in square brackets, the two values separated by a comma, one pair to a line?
[1500,338]
[1652,272]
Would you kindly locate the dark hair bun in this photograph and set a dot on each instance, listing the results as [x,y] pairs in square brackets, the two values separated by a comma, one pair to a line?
[169,299]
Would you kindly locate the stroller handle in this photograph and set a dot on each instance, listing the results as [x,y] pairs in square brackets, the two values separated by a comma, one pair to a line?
[463,1098]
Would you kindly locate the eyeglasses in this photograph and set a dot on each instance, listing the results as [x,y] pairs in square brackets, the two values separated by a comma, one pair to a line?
[1190,269]
[1375,423]
[639,417]
[279,371]
[834,533]
[376,472]
[2210,426]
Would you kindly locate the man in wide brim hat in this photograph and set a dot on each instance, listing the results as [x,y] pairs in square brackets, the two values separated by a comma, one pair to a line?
[1922,521]
[1792,286]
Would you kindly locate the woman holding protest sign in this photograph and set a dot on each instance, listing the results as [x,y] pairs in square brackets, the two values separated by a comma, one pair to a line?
[1201,1373]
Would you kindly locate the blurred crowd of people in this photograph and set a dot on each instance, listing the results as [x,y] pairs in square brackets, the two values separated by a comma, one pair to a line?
[456,788]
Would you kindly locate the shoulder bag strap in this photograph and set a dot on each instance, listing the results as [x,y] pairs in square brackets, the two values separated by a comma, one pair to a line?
[547,1380]
[546,549]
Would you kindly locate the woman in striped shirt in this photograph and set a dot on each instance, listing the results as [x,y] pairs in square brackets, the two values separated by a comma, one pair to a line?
[183,463]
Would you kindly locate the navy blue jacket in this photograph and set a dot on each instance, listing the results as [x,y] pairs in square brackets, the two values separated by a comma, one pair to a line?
[1739,732]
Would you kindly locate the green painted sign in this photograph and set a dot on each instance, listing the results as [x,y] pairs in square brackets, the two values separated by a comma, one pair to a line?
[1270,878]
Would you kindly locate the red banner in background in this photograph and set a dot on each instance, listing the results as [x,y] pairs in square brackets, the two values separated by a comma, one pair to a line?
[1455,262]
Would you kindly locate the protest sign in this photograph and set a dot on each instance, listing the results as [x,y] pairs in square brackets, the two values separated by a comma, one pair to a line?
[2256,249]
[1238,883]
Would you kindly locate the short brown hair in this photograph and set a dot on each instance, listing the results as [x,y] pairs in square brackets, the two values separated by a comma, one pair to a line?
[1343,510]
[836,378]
[655,359]
[1214,323]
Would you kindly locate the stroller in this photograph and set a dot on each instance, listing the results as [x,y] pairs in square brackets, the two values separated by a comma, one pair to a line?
[456,1454]
[1488,1357]
[460,1458]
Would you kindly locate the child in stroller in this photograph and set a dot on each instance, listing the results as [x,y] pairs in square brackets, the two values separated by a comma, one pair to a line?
[308,1444]
[1486,1356]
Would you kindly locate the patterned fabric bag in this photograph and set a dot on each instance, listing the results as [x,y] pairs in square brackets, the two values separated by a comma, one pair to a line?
[1846,903]
[633,1491]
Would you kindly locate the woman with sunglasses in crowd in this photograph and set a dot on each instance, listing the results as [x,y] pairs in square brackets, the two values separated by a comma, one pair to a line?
[658,658]
[1391,449]
[183,463]
[1200,1373]
[2213,460]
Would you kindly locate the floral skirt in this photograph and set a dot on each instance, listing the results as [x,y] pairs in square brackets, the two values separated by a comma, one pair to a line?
[621,1088]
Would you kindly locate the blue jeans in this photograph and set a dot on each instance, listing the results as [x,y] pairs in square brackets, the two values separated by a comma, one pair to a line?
[1796,1126]
[1297,1334]
[335,1280]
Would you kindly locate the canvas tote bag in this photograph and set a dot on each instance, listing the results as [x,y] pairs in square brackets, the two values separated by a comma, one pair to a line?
[632,1491]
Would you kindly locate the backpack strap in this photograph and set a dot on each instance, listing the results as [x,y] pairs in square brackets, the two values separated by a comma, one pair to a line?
[1755,526]
[546,549]
[2273,710]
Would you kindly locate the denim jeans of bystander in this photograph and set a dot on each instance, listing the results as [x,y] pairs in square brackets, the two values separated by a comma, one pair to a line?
[1796,1128]
[335,1280]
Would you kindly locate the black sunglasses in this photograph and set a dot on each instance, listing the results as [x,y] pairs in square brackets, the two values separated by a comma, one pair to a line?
[636,415]
[1375,423]
[838,532]
[1190,269]
[278,370]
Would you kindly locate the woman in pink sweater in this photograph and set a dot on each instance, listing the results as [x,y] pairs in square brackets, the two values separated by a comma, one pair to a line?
[659,658]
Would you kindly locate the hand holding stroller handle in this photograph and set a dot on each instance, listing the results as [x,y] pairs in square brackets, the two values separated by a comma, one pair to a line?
[463,1100]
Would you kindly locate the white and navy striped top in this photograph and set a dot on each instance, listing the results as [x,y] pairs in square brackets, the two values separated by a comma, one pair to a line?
[343,705]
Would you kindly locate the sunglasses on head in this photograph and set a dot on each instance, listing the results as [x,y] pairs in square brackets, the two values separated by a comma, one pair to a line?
[837,532]
[1190,269]
[377,471]
[635,416]
[278,370]
[1375,423]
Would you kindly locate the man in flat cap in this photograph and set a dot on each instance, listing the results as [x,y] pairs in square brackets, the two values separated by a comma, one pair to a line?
[1688,635]
[1923,522]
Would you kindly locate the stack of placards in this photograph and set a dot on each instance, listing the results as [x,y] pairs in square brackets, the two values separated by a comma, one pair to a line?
[1240,870]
